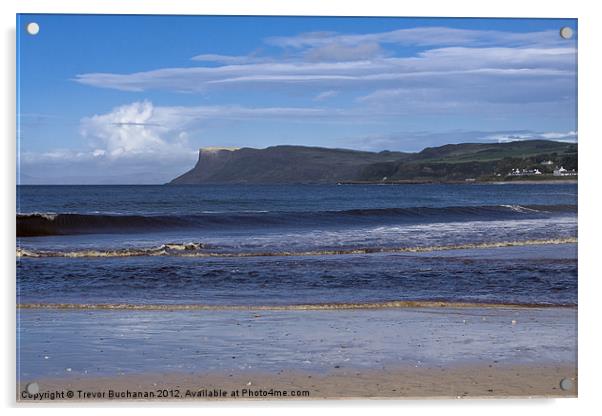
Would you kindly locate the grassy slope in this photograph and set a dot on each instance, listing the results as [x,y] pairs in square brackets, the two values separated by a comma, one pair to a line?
[478,152]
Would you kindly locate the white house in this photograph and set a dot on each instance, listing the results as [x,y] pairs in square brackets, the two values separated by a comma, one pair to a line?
[561,171]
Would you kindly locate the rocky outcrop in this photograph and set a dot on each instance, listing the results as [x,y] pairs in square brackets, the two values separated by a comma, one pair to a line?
[282,164]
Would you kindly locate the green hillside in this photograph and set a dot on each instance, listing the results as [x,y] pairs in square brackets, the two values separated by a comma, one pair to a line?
[480,152]
[449,163]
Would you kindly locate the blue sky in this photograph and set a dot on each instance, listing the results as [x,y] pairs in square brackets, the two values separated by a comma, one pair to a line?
[131,99]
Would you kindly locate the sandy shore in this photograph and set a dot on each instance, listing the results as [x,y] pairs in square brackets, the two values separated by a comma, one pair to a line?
[393,352]
[491,380]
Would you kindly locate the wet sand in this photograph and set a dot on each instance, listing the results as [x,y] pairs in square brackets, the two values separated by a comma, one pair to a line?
[466,381]
[394,352]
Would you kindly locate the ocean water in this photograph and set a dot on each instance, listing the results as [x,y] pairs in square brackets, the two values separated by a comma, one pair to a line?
[296,244]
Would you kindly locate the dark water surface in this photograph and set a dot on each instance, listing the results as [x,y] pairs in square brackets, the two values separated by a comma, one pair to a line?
[293,244]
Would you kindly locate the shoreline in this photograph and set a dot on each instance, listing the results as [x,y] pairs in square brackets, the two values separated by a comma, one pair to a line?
[394,304]
[400,182]
[491,380]
[347,353]
[475,182]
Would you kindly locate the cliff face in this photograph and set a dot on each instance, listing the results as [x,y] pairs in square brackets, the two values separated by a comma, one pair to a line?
[209,163]
[282,164]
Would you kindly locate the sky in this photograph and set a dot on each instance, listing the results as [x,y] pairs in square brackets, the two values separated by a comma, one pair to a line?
[131,99]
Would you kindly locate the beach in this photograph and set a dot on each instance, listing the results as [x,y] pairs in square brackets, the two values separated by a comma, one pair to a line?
[390,352]
[526,381]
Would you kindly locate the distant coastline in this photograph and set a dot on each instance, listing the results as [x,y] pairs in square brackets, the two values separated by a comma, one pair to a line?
[547,181]
[528,161]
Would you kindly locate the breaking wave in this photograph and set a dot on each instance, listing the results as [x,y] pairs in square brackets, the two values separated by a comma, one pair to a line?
[202,250]
[46,224]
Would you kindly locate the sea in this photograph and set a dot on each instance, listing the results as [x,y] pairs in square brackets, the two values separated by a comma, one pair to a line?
[295,246]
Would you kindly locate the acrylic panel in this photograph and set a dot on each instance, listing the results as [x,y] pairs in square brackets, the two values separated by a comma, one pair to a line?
[274,208]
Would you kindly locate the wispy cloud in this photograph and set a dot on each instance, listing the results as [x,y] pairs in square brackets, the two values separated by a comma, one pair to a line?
[420,36]
[449,70]
[228,59]
[339,52]
[325,95]
[429,66]
[412,141]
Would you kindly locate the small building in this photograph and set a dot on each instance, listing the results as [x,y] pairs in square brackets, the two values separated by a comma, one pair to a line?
[547,163]
[561,171]
[524,172]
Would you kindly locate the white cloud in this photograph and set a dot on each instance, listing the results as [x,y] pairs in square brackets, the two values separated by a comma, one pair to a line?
[143,143]
[141,129]
[325,95]
[568,137]
[137,142]
[554,135]
[130,130]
